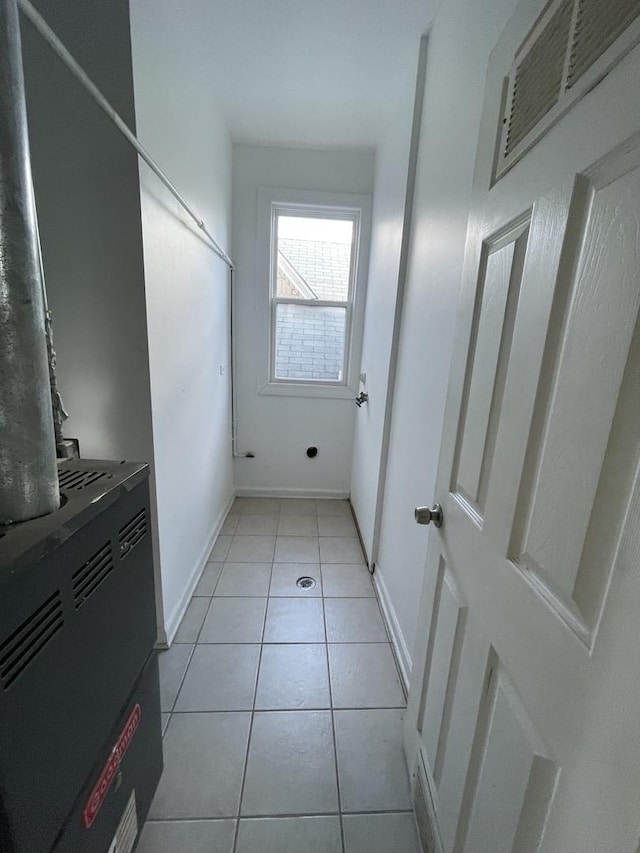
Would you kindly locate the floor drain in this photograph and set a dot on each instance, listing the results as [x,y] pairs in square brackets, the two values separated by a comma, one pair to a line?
[306,583]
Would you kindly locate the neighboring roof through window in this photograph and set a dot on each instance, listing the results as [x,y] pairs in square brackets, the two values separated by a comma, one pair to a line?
[323,266]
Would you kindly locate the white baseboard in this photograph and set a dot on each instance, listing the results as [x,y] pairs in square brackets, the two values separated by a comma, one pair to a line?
[162,643]
[250,492]
[397,637]
[359,532]
[174,620]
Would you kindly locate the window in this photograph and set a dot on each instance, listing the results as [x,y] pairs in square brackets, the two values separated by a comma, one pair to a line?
[312,265]
[312,283]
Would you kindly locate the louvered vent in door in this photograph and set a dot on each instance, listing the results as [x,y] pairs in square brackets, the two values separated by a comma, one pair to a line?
[88,577]
[132,533]
[572,47]
[537,80]
[24,645]
[598,24]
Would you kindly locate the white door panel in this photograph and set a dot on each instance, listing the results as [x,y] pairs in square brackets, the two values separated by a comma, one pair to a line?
[555,232]
[526,719]
[456,756]
[449,626]
[500,285]
[512,779]
[562,466]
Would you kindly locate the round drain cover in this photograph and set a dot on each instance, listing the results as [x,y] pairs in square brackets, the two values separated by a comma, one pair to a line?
[305,583]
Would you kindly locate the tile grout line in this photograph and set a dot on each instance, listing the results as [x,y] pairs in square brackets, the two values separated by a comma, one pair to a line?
[286,642]
[213,592]
[292,535]
[262,643]
[253,714]
[333,726]
[301,597]
[293,710]
[173,704]
[186,670]
[278,815]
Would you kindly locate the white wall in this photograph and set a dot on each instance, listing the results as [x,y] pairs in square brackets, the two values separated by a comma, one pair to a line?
[279,429]
[86,187]
[187,290]
[461,39]
[86,184]
[386,236]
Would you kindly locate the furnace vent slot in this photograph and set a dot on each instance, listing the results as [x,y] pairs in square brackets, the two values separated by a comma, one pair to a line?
[88,577]
[77,480]
[132,533]
[26,643]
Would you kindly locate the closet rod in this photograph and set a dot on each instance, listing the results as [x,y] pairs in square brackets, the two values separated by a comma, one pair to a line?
[78,72]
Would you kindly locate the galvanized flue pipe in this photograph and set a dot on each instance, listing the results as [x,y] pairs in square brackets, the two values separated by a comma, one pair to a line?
[28,469]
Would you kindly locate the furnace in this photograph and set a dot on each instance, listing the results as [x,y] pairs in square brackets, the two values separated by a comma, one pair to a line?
[80,730]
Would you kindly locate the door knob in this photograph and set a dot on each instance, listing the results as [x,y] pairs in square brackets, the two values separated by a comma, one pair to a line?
[362,397]
[424,515]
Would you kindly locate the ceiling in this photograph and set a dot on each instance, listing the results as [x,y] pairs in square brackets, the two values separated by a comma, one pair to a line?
[326,73]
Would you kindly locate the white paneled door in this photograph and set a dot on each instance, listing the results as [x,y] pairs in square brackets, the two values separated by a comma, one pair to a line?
[524,717]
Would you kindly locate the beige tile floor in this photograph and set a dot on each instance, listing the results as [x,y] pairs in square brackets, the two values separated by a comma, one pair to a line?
[282,706]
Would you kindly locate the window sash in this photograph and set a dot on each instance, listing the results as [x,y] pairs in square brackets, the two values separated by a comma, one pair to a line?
[313,212]
[313,303]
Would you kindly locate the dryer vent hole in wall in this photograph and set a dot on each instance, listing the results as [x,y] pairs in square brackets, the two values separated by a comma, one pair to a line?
[312,452]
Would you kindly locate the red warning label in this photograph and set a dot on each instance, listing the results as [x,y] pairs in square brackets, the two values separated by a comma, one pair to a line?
[97,796]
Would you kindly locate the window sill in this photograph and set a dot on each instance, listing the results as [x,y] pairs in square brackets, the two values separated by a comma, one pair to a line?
[301,389]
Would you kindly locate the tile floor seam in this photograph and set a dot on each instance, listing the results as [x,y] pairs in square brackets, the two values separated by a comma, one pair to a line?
[184,675]
[197,642]
[282,511]
[215,586]
[287,642]
[292,710]
[333,729]
[190,820]
[253,714]
[297,815]
[276,815]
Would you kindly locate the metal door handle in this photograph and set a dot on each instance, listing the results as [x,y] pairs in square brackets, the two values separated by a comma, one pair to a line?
[424,515]
[362,397]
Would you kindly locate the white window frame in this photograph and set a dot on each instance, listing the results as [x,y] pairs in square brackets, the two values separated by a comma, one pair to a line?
[275,202]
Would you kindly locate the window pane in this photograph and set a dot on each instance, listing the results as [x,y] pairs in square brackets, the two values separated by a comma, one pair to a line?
[314,257]
[310,342]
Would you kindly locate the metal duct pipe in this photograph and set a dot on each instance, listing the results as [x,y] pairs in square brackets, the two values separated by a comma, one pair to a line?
[28,469]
